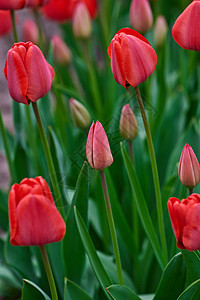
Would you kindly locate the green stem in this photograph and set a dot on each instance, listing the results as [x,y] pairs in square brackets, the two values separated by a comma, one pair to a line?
[190,192]
[15,35]
[37,21]
[49,273]
[155,176]
[112,227]
[49,159]
[7,150]
[76,80]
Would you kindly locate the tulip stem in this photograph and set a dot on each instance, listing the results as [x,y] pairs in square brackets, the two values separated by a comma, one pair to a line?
[49,273]
[155,176]
[49,159]
[190,192]
[112,227]
[14,29]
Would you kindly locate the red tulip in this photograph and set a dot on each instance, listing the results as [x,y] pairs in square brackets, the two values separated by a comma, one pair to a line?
[140,15]
[186,28]
[133,59]
[61,52]
[28,73]
[97,148]
[19,4]
[30,32]
[5,22]
[185,221]
[33,216]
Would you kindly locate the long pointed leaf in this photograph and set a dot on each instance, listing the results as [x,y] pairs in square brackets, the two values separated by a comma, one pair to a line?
[73,291]
[119,292]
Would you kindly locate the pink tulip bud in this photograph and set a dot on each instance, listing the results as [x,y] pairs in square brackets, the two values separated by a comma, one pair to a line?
[61,52]
[128,123]
[160,31]
[5,22]
[189,170]
[140,15]
[30,32]
[80,115]
[97,148]
[81,21]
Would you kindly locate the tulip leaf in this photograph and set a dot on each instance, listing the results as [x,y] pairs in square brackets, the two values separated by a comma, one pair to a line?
[69,92]
[73,250]
[173,279]
[142,207]
[73,292]
[3,211]
[21,161]
[119,292]
[97,266]
[10,287]
[193,266]
[30,291]
[192,292]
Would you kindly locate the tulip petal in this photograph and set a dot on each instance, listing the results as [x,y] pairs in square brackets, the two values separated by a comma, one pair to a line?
[89,145]
[117,64]
[12,4]
[12,203]
[191,233]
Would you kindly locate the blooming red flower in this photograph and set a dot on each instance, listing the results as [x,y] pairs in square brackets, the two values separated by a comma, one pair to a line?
[33,216]
[185,221]
[28,73]
[140,15]
[97,148]
[18,4]
[133,59]
[186,28]
[5,22]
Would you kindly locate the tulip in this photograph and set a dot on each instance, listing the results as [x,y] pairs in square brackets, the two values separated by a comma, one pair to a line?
[79,113]
[61,52]
[140,15]
[160,31]
[81,22]
[30,32]
[5,22]
[186,28]
[185,221]
[128,123]
[28,73]
[133,59]
[189,170]
[97,148]
[33,217]
[19,4]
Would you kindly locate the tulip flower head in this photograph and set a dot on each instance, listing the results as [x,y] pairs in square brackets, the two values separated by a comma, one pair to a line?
[80,115]
[30,32]
[140,15]
[133,59]
[97,148]
[189,170]
[128,123]
[160,31]
[186,28]
[19,4]
[185,221]
[81,22]
[33,217]
[28,74]
[61,52]
[5,22]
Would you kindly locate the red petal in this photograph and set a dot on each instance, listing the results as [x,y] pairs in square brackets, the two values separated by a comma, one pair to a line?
[117,63]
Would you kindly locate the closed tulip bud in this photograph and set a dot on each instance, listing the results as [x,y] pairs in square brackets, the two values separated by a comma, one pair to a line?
[189,170]
[185,221]
[61,52]
[81,22]
[28,74]
[133,59]
[97,148]
[5,22]
[141,18]
[80,115]
[186,28]
[128,123]
[30,32]
[160,31]
[33,216]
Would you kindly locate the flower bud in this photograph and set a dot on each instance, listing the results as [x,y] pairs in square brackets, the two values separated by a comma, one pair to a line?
[97,148]
[140,15]
[160,31]
[128,123]
[189,170]
[80,115]
[30,32]
[81,22]
[5,22]
[61,52]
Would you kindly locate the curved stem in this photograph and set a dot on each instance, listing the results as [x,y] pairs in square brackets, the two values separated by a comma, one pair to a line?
[190,192]
[49,159]
[112,227]
[49,273]
[155,176]
[15,35]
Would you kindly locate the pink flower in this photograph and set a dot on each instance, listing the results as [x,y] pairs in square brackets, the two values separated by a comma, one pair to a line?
[97,148]
[133,59]
[81,21]
[140,15]
[61,52]
[30,32]
[28,73]
[5,22]
[128,123]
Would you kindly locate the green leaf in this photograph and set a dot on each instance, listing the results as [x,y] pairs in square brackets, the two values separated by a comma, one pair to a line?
[97,266]
[192,292]
[142,207]
[119,292]
[173,279]
[30,291]
[21,161]
[74,292]
[9,285]
[193,266]
[3,211]
[69,92]
[73,250]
